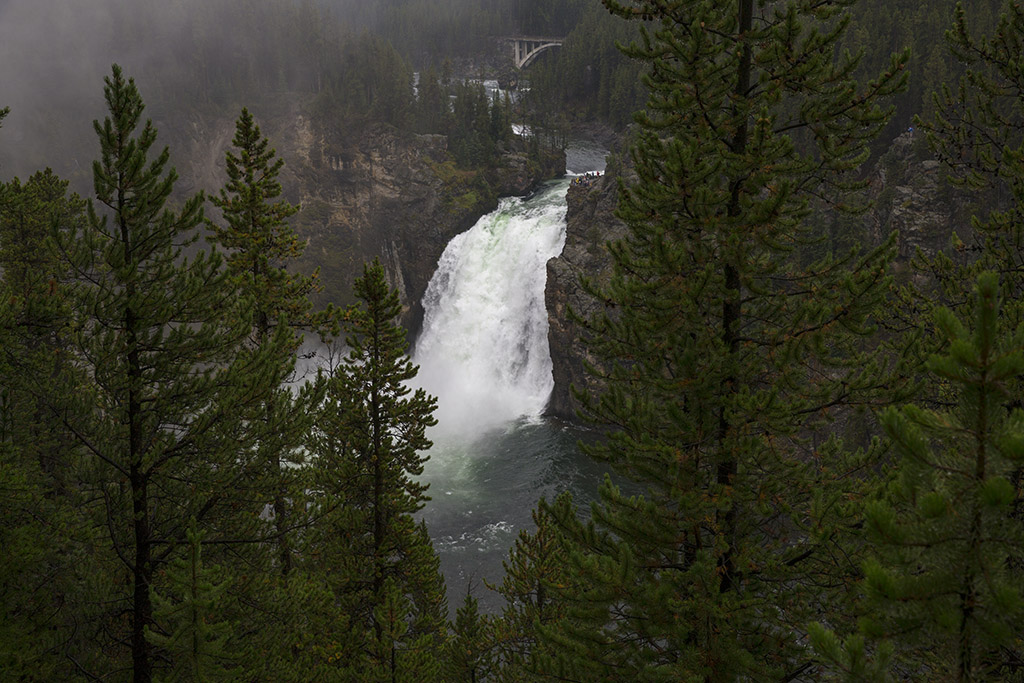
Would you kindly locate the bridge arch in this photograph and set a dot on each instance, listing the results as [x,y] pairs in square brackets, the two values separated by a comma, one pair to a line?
[526,48]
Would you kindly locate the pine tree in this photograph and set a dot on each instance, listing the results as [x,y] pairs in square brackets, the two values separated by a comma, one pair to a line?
[33,284]
[43,536]
[978,133]
[469,657]
[369,445]
[433,111]
[946,582]
[196,639]
[260,244]
[726,352]
[160,338]
[536,573]
[258,239]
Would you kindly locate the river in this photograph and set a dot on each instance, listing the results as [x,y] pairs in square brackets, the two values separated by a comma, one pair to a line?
[483,352]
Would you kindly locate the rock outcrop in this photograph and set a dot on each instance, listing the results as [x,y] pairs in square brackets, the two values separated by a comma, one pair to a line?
[911,196]
[590,225]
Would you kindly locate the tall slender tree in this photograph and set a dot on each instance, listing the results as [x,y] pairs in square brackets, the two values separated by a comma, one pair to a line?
[945,584]
[726,351]
[370,445]
[470,652]
[978,133]
[159,337]
[197,636]
[260,244]
[43,534]
[33,283]
[537,574]
[967,404]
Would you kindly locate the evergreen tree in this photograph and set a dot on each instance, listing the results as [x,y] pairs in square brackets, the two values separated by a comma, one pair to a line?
[33,284]
[195,638]
[726,353]
[43,536]
[537,573]
[946,582]
[260,244]
[159,337]
[369,445]
[978,132]
[469,656]
[432,107]
[500,129]
[258,238]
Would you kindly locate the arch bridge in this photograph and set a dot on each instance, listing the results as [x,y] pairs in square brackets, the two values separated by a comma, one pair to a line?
[526,48]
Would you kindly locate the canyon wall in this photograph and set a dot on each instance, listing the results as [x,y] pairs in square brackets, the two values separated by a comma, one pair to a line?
[373,192]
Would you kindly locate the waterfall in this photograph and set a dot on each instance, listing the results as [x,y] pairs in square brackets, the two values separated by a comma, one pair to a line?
[483,349]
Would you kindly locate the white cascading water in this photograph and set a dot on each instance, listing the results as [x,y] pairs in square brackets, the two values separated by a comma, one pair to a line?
[483,350]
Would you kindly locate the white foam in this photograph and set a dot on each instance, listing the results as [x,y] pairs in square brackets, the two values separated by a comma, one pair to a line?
[483,350]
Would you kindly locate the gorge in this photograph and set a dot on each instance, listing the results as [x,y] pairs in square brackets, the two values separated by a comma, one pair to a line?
[483,351]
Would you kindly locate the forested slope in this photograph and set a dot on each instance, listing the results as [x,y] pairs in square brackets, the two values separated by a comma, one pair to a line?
[182,501]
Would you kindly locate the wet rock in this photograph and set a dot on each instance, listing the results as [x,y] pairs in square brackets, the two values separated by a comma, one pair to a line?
[590,225]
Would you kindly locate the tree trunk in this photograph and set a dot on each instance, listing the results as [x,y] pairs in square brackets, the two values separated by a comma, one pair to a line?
[732,311]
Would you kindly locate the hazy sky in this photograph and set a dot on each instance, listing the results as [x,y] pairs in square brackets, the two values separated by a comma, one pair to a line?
[54,55]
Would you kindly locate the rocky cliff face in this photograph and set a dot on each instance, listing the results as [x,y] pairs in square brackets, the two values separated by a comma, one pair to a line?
[909,196]
[590,225]
[377,192]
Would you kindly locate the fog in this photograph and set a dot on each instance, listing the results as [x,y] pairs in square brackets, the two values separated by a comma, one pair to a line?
[202,56]
[54,55]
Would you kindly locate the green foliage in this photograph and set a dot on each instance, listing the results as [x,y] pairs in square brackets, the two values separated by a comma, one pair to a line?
[469,655]
[42,536]
[433,113]
[140,387]
[195,638]
[946,585]
[160,338]
[260,245]
[39,568]
[367,81]
[978,133]
[537,575]
[369,443]
[726,354]
[33,285]
[850,659]
[426,31]
[257,235]
[479,128]
[588,76]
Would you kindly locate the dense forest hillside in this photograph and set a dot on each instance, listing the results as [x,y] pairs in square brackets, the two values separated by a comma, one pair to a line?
[795,301]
